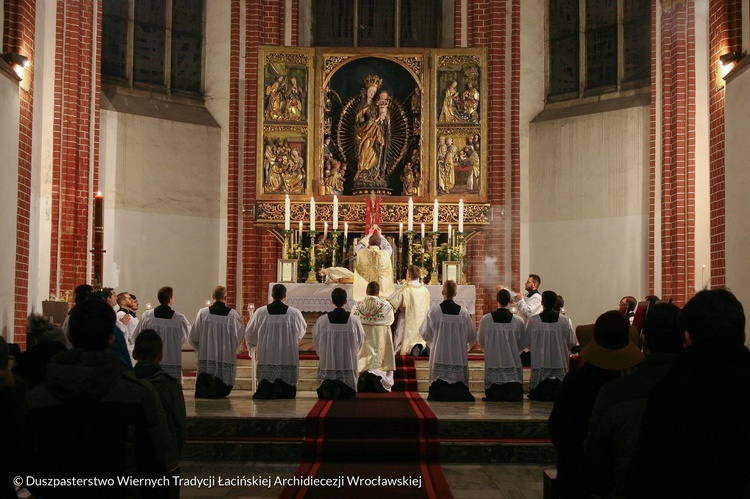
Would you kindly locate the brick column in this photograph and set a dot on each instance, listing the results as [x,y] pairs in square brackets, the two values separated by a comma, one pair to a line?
[234,157]
[19,30]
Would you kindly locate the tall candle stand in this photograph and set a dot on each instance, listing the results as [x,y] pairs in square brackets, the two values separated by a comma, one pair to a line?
[434,277]
[311,276]
[410,248]
[461,240]
[335,247]
[288,243]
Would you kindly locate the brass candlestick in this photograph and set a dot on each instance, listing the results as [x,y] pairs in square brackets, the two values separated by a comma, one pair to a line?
[311,276]
[410,248]
[335,247]
[288,243]
[461,240]
[434,277]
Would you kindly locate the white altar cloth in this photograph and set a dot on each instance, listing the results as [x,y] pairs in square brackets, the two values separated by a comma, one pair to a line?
[317,297]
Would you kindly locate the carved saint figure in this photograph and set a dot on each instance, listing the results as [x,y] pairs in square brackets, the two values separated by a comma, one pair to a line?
[372,128]
[276,101]
[472,183]
[470,101]
[294,173]
[293,101]
[448,112]
[447,173]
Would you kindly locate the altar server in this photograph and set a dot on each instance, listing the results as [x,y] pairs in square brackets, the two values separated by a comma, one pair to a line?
[501,337]
[413,301]
[173,329]
[276,330]
[338,336]
[376,361]
[215,335]
[449,331]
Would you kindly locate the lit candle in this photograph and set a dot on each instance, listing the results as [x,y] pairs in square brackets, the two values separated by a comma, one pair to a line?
[335,213]
[460,215]
[312,213]
[287,213]
[325,230]
[435,217]
[422,232]
[400,230]
[98,211]
[346,231]
[410,221]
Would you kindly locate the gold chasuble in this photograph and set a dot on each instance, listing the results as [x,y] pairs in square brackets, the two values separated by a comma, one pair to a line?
[373,264]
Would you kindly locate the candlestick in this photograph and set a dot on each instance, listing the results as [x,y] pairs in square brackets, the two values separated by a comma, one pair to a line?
[335,248]
[98,248]
[461,240]
[410,248]
[335,213]
[460,215]
[435,212]
[312,214]
[434,277]
[410,220]
[287,213]
[288,242]
[311,276]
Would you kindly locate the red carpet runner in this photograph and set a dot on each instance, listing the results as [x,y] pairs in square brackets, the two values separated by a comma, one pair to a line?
[377,445]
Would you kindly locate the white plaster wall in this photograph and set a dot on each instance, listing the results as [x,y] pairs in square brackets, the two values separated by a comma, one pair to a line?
[588,202]
[162,183]
[737,163]
[9,102]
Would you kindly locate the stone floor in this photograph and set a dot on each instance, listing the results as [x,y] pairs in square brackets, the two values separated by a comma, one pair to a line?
[475,481]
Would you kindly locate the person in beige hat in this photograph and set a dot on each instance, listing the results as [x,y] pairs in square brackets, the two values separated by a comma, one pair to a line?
[610,355]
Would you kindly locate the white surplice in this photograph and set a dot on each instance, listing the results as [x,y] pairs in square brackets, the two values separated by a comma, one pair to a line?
[450,337]
[337,346]
[173,333]
[376,354]
[216,338]
[414,302]
[502,344]
[276,338]
[549,344]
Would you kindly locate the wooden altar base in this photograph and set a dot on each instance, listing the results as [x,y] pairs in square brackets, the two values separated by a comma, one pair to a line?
[239,428]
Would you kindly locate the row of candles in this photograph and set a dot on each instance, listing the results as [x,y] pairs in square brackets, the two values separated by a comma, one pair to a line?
[410,220]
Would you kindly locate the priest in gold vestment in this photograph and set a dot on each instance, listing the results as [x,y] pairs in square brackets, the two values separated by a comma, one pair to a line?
[375,359]
[373,264]
[413,300]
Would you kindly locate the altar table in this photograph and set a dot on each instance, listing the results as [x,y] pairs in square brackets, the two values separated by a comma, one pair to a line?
[317,297]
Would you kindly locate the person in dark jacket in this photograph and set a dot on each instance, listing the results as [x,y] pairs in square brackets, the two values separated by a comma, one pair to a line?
[92,418]
[608,356]
[616,420]
[694,436]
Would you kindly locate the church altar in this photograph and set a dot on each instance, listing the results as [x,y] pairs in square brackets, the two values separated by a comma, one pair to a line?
[317,297]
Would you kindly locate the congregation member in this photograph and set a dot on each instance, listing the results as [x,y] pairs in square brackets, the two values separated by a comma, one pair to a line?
[148,353]
[81,293]
[694,435]
[373,263]
[275,331]
[500,335]
[338,337]
[627,307]
[616,418]
[92,418]
[609,355]
[376,360]
[530,304]
[120,346]
[172,327]
[216,334]
[412,302]
[449,331]
[549,337]
[126,319]
[43,341]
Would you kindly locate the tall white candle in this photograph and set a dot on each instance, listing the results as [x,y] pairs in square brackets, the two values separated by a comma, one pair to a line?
[450,235]
[422,232]
[400,230]
[325,230]
[287,213]
[460,215]
[335,213]
[435,211]
[410,221]
[312,213]
[346,231]
[299,238]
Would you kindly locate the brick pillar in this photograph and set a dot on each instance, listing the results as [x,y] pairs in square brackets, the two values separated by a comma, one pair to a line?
[234,157]
[678,151]
[725,35]
[75,141]
[19,30]
[652,184]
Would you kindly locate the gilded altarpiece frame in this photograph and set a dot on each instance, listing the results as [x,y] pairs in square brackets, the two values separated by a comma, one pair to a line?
[372,123]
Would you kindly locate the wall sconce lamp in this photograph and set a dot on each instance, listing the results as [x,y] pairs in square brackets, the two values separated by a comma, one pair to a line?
[730,57]
[15,58]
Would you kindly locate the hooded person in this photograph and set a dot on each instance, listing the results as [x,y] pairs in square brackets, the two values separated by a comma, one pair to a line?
[610,355]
